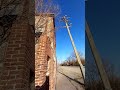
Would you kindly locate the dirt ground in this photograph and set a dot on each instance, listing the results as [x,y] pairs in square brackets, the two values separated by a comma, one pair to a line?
[69,78]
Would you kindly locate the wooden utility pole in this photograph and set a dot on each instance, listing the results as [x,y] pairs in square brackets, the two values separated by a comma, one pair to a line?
[97,59]
[74,47]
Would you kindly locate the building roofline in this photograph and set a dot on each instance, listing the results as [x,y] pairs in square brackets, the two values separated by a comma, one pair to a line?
[46,14]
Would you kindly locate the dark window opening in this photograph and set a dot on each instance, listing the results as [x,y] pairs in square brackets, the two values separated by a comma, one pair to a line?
[37,35]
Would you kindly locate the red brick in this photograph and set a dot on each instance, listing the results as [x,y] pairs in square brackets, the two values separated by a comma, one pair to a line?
[8,56]
[10,68]
[5,72]
[10,60]
[19,86]
[15,72]
[7,77]
[15,81]
[42,52]
[13,45]
[21,67]
[18,63]
[6,64]
[18,55]
[11,52]
[7,87]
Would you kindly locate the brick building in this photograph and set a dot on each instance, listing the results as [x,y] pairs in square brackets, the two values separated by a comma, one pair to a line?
[19,59]
[17,46]
[45,61]
[27,59]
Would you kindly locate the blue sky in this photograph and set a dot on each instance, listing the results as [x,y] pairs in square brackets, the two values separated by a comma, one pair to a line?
[103,17]
[75,9]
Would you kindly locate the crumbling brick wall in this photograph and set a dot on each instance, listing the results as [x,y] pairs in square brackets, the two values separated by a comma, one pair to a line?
[45,56]
[18,64]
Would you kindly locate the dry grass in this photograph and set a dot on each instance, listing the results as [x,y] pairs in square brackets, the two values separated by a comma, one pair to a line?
[93,80]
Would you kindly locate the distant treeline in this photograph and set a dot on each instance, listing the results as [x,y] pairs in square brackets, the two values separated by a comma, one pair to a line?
[72,61]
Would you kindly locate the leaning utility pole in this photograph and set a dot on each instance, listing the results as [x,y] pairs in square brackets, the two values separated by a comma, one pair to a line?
[74,47]
[98,60]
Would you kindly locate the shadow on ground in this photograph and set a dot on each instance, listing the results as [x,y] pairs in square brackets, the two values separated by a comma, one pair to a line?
[72,79]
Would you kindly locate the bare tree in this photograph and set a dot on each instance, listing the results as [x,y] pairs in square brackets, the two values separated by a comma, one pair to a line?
[93,80]
[15,10]
[12,9]
[42,11]
[72,61]
[9,11]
